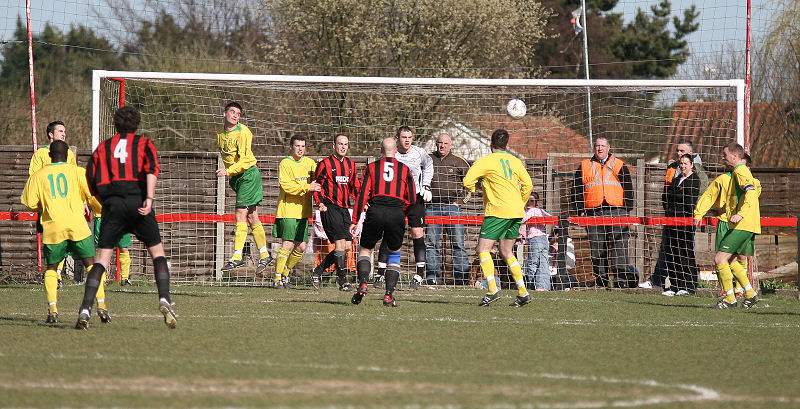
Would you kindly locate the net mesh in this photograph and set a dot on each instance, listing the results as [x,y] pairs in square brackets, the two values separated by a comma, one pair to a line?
[643,124]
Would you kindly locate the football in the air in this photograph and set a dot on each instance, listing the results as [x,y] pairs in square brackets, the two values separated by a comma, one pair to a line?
[516,109]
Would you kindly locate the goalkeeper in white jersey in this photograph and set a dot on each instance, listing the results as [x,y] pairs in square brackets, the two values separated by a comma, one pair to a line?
[421,165]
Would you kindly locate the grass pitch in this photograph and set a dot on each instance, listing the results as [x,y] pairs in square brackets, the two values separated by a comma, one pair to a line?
[257,347]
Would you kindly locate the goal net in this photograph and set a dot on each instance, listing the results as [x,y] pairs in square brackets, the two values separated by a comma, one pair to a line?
[642,120]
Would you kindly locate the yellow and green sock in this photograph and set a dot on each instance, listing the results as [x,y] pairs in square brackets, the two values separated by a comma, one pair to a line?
[260,237]
[240,236]
[124,265]
[51,290]
[726,280]
[516,274]
[487,267]
[280,263]
[741,276]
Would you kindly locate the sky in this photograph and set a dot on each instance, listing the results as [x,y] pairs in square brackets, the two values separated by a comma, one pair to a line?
[722,22]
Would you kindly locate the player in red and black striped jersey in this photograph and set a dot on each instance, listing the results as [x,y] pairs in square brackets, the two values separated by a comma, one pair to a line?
[339,181]
[388,189]
[123,172]
[119,166]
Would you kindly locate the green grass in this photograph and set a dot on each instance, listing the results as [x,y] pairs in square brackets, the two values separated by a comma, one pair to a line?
[256,347]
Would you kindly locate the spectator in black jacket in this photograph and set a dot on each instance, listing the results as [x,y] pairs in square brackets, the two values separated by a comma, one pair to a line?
[679,201]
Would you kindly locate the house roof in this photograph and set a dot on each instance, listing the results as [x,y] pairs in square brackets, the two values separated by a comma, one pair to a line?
[531,137]
[770,143]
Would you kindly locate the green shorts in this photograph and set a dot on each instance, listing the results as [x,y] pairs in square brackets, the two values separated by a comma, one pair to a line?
[737,242]
[54,253]
[248,187]
[495,228]
[124,242]
[291,229]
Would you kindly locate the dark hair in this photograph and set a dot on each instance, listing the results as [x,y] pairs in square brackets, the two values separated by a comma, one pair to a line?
[297,137]
[687,143]
[748,160]
[534,197]
[500,139]
[336,137]
[235,105]
[58,151]
[404,128]
[126,119]
[735,148]
[688,156]
[51,127]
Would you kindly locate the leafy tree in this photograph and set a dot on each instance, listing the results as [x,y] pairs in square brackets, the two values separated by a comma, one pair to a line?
[190,36]
[58,57]
[646,48]
[431,38]
[62,66]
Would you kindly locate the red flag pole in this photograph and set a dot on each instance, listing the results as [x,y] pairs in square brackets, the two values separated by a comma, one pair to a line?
[33,117]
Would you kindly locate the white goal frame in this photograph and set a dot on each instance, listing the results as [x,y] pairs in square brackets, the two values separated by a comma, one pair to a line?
[578,85]
[98,75]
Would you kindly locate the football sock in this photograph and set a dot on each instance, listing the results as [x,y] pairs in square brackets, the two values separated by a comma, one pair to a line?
[161,269]
[51,290]
[380,269]
[260,237]
[280,263]
[741,277]
[124,265]
[487,267]
[392,276]
[327,262]
[93,276]
[100,296]
[294,257]
[240,236]
[362,268]
[60,268]
[383,257]
[340,260]
[726,279]
[419,255]
[516,274]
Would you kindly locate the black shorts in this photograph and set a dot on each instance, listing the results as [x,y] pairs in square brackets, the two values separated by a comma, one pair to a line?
[416,216]
[336,222]
[120,216]
[384,222]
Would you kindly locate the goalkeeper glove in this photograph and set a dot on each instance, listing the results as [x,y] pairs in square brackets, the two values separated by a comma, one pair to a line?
[467,197]
[426,193]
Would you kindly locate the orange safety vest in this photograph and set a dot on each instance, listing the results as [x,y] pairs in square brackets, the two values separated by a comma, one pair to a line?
[671,172]
[601,182]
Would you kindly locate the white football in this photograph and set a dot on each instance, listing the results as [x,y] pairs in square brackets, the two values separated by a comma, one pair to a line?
[516,109]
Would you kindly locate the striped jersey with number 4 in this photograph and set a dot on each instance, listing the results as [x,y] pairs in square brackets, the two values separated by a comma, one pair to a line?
[119,166]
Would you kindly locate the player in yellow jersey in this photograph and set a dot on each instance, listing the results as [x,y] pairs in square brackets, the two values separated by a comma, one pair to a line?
[124,256]
[56,131]
[296,178]
[741,209]
[235,144]
[506,188]
[59,191]
[716,196]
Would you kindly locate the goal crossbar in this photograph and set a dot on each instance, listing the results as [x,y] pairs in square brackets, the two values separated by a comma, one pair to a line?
[98,75]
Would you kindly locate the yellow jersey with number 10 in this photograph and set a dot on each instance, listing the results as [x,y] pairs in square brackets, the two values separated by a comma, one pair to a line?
[58,191]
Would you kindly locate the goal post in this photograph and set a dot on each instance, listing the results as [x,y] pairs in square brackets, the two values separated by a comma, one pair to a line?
[99,75]
[181,112]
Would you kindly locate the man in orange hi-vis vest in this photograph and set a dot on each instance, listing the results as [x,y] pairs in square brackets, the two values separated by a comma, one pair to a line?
[603,188]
